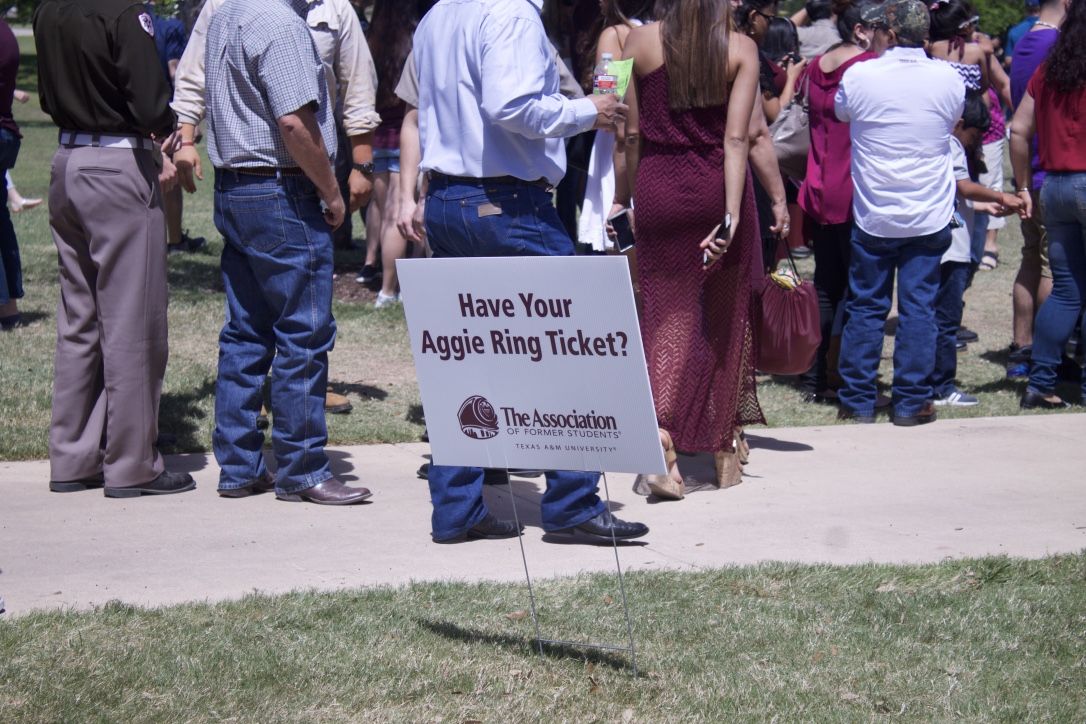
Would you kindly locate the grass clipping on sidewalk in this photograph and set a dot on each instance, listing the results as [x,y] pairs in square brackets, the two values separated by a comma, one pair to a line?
[988,639]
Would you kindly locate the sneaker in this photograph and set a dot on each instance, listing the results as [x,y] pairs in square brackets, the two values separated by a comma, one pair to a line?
[1018,371]
[956,398]
[961,345]
[369,273]
[386,300]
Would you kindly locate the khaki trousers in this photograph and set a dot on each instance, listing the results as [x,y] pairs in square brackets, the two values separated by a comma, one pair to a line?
[105,211]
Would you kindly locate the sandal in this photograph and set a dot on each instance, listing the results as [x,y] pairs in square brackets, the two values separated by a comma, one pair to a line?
[989,261]
[742,449]
[667,487]
[729,470]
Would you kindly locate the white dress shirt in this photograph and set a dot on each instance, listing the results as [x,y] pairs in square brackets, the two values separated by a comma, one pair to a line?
[901,108]
[489,103]
[348,66]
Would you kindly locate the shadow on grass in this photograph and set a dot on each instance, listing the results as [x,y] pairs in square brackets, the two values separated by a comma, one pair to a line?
[32,317]
[416,415]
[367,391]
[179,411]
[525,645]
[195,273]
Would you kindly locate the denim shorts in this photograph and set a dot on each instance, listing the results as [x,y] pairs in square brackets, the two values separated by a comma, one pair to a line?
[386,160]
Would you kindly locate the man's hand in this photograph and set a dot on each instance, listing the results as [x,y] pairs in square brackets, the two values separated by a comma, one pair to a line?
[334,210]
[361,189]
[167,177]
[610,111]
[171,143]
[187,159]
[1014,204]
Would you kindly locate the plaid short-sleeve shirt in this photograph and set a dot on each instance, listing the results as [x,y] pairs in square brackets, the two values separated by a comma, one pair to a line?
[261,65]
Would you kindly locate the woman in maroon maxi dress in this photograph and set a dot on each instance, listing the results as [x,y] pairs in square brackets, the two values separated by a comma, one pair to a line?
[690,107]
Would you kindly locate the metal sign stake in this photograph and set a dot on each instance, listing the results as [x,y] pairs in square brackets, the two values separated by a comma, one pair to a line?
[539,640]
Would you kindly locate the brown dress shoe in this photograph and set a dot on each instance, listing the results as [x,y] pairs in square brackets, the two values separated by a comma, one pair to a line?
[329,492]
[926,415]
[336,404]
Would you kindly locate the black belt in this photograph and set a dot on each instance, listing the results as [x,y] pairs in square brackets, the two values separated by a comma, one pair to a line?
[269,171]
[490,180]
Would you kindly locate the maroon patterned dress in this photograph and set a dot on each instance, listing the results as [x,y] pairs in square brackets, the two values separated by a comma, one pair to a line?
[696,324]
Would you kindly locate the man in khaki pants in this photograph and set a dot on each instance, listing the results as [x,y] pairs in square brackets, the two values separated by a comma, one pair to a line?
[105,211]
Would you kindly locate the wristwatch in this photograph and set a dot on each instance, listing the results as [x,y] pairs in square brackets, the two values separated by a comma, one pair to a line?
[366,169]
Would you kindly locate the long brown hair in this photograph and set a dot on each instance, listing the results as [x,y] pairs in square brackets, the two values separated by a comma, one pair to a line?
[389,39]
[694,34]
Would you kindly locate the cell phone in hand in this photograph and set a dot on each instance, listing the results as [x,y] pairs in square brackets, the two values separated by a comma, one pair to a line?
[624,236]
[724,231]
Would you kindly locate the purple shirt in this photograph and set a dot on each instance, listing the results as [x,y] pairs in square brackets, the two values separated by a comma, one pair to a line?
[1029,53]
[826,193]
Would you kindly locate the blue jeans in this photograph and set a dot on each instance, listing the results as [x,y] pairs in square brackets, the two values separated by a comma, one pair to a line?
[386,160]
[11,266]
[977,237]
[875,260]
[953,280]
[1063,205]
[528,225]
[277,270]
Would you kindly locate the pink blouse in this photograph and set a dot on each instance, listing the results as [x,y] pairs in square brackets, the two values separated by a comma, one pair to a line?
[826,193]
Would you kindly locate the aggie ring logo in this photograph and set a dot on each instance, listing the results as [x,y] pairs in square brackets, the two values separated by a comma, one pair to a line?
[477,418]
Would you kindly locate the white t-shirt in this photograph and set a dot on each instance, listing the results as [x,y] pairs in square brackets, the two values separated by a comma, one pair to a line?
[901,109]
[961,237]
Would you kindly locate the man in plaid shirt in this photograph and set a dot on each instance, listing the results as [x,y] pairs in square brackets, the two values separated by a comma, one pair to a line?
[270,138]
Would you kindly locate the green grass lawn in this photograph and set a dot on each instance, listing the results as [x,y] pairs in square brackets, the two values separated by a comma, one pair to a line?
[975,640]
[372,361]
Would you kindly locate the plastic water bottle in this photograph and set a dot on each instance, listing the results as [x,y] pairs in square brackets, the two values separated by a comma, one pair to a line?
[603,80]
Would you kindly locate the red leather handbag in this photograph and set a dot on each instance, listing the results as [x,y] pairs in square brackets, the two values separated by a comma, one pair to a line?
[786,324]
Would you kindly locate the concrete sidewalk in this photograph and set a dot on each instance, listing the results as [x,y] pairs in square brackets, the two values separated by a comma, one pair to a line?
[842,494]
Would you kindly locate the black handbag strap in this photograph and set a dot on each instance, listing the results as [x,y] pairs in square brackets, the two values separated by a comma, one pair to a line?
[791,259]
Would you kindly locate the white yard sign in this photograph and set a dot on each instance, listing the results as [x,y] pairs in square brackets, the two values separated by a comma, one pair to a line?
[531,362]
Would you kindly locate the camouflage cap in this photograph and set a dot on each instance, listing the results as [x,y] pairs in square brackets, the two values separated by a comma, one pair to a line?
[908,18]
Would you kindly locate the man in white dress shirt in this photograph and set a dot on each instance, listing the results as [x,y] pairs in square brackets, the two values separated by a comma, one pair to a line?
[901,109]
[491,122]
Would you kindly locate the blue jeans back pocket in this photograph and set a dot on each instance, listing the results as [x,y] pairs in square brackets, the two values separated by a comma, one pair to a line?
[256,219]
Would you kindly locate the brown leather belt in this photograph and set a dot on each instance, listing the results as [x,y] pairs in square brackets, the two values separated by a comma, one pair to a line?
[490,180]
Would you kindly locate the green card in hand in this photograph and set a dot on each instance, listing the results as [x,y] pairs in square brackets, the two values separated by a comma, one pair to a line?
[622,70]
